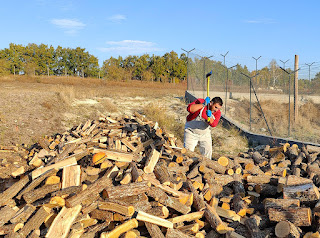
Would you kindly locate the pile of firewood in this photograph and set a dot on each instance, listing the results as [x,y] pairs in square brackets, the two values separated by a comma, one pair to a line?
[126,177]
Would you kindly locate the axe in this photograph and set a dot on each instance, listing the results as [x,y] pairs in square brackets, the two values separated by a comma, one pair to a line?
[208,88]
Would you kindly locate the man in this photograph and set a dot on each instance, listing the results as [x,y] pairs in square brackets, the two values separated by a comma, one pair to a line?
[203,114]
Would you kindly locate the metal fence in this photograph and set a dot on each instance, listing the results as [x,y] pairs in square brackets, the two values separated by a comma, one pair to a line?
[253,86]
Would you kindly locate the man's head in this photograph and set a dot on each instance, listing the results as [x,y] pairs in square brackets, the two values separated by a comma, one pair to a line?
[215,104]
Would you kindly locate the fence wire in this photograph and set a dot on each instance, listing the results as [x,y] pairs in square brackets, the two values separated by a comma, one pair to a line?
[230,82]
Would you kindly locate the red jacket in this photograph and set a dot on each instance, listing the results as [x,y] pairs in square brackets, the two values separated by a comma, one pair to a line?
[192,116]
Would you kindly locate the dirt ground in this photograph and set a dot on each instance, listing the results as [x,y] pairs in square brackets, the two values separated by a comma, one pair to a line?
[32,109]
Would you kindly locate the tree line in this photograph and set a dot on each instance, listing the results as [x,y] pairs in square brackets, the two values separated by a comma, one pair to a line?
[42,59]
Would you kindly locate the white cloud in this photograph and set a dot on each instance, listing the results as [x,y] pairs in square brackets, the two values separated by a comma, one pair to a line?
[261,21]
[71,26]
[130,47]
[117,18]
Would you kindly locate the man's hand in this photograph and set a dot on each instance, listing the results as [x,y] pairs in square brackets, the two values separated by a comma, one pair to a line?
[209,113]
[206,101]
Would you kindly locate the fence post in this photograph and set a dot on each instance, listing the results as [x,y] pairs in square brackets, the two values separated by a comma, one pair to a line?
[296,86]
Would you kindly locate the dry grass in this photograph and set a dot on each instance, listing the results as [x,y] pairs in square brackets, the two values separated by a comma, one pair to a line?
[307,127]
[159,113]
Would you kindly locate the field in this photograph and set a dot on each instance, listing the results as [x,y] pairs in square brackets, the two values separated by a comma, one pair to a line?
[32,107]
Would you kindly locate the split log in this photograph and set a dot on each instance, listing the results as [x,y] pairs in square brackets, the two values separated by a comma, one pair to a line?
[11,229]
[214,165]
[41,192]
[71,176]
[151,161]
[287,229]
[143,216]
[101,215]
[198,201]
[116,207]
[174,233]
[229,214]
[162,174]
[12,191]
[215,221]
[127,190]
[280,203]
[190,229]
[92,191]
[136,173]
[23,214]
[168,201]
[299,216]
[252,225]
[305,193]
[159,211]
[239,205]
[154,230]
[261,179]
[188,217]
[59,165]
[62,223]
[7,213]
[35,221]
[116,155]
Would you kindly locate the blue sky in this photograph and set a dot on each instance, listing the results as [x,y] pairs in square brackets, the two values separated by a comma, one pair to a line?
[272,29]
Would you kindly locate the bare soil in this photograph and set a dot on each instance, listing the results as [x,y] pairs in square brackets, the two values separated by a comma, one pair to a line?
[33,108]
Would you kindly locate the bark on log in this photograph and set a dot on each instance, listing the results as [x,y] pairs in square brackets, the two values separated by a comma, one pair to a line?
[7,213]
[280,203]
[239,205]
[116,207]
[41,192]
[92,191]
[252,225]
[23,214]
[198,201]
[174,233]
[162,174]
[305,193]
[12,191]
[59,165]
[168,201]
[127,190]
[101,215]
[154,230]
[298,216]
[35,221]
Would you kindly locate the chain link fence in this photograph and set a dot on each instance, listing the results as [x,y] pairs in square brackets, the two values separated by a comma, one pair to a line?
[268,108]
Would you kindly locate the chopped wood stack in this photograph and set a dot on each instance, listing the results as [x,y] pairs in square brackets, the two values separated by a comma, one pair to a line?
[126,177]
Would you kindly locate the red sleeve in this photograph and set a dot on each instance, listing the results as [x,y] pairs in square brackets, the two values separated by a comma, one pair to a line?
[217,116]
[197,101]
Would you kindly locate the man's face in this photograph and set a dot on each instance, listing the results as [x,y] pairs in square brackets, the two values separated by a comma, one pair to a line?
[215,107]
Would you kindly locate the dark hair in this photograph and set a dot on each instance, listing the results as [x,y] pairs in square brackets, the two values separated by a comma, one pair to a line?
[217,100]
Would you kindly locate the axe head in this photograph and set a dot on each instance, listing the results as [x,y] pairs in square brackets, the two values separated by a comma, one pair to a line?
[209,74]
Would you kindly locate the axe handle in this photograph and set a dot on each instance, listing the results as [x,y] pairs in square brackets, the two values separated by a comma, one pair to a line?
[208,92]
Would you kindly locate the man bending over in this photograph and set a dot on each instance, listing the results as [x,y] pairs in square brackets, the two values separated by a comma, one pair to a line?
[203,114]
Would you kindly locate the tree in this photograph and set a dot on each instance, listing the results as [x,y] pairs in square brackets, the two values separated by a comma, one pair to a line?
[274,71]
[157,67]
[4,67]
